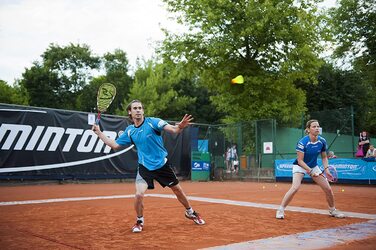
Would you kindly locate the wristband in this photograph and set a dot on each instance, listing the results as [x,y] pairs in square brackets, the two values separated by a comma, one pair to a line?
[326,168]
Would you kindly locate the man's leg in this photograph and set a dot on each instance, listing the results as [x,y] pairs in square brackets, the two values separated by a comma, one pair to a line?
[178,191]
[189,213]
[141,187]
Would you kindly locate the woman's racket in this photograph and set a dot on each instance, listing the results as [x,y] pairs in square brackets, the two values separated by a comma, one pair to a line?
[105,96]
[333,177]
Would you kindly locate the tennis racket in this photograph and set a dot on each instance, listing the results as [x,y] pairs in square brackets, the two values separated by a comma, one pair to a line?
[333,177]
[105,96]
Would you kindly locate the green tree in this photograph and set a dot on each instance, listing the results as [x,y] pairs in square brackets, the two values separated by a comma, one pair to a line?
[87,99]
[12,95]
[202,110]
[117,66]
[59,78]
[354,26]
[116,72]
[154,86]
[271,43]
[42,86]
[335,90]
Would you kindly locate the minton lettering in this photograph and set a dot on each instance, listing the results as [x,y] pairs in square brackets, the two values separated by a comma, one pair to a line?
[25,137]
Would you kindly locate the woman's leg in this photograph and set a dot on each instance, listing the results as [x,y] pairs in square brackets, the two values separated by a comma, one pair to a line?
[296,182]
[324,184]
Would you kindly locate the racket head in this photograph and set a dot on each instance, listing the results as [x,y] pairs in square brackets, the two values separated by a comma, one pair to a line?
[106,94]
[333,172]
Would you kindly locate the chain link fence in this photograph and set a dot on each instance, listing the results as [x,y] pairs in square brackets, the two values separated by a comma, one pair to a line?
[259,143]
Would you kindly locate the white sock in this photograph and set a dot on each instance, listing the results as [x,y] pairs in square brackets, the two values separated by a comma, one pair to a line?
[190,210]
[332,208]
[281,208]
[140,218]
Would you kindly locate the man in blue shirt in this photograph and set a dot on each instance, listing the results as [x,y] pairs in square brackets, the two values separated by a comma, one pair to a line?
[308,149]
[145,134]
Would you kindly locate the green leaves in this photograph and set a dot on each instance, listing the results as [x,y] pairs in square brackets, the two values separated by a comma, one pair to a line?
[155,85]
[354,26]
[271,43]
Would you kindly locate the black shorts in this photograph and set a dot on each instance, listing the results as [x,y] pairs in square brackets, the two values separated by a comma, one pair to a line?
[164,175]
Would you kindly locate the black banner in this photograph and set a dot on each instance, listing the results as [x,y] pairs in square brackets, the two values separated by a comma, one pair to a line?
[41,143]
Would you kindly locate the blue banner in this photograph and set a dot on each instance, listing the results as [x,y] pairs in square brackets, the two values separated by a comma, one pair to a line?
[200,166]
[347,169]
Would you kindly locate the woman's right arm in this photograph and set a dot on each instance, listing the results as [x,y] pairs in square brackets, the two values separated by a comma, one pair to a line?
[301,161]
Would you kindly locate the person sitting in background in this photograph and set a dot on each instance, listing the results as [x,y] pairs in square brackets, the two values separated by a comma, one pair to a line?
[371,153]
[364,142]
[331,155]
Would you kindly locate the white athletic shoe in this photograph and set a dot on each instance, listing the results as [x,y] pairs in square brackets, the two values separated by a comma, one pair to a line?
[336,213]
[280,214]
[137,228]
[195,217]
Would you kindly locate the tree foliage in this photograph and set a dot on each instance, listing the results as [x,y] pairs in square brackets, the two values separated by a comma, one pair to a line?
[335,90]
[116,68]
[59,78]
[154,86]
[271,43]
[12,95]
[354,26]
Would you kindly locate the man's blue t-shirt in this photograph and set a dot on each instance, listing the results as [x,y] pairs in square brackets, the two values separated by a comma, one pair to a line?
[148,140]
[311,150]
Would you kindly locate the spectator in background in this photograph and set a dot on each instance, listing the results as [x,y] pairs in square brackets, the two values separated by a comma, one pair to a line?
[364,142]
[233,157]
[371,153]
[227,159]
[331,155]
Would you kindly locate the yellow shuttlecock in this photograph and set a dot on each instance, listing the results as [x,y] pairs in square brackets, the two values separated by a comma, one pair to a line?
[238,80]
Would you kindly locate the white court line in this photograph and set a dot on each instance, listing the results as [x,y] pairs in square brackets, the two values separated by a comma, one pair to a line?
[194,198]
[27,202]
[308,240]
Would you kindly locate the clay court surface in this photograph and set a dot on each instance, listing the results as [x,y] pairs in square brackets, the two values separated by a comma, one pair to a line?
[106,223]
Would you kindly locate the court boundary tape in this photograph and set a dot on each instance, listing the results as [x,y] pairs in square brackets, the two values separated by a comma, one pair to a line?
[193,198]
[317,239]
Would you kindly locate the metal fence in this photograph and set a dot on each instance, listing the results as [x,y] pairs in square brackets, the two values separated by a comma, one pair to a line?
[260,142]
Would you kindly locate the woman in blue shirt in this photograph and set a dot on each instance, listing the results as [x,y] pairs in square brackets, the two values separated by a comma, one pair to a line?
[145,134]
[308,149]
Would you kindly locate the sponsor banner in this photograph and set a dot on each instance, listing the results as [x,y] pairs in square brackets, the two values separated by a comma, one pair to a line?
[200,166]
[49,142]
[347,169]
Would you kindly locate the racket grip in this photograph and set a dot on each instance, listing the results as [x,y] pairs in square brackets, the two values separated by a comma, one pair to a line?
[98,119]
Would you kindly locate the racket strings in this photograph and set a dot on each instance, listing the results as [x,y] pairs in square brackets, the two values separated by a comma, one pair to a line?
[106,95]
